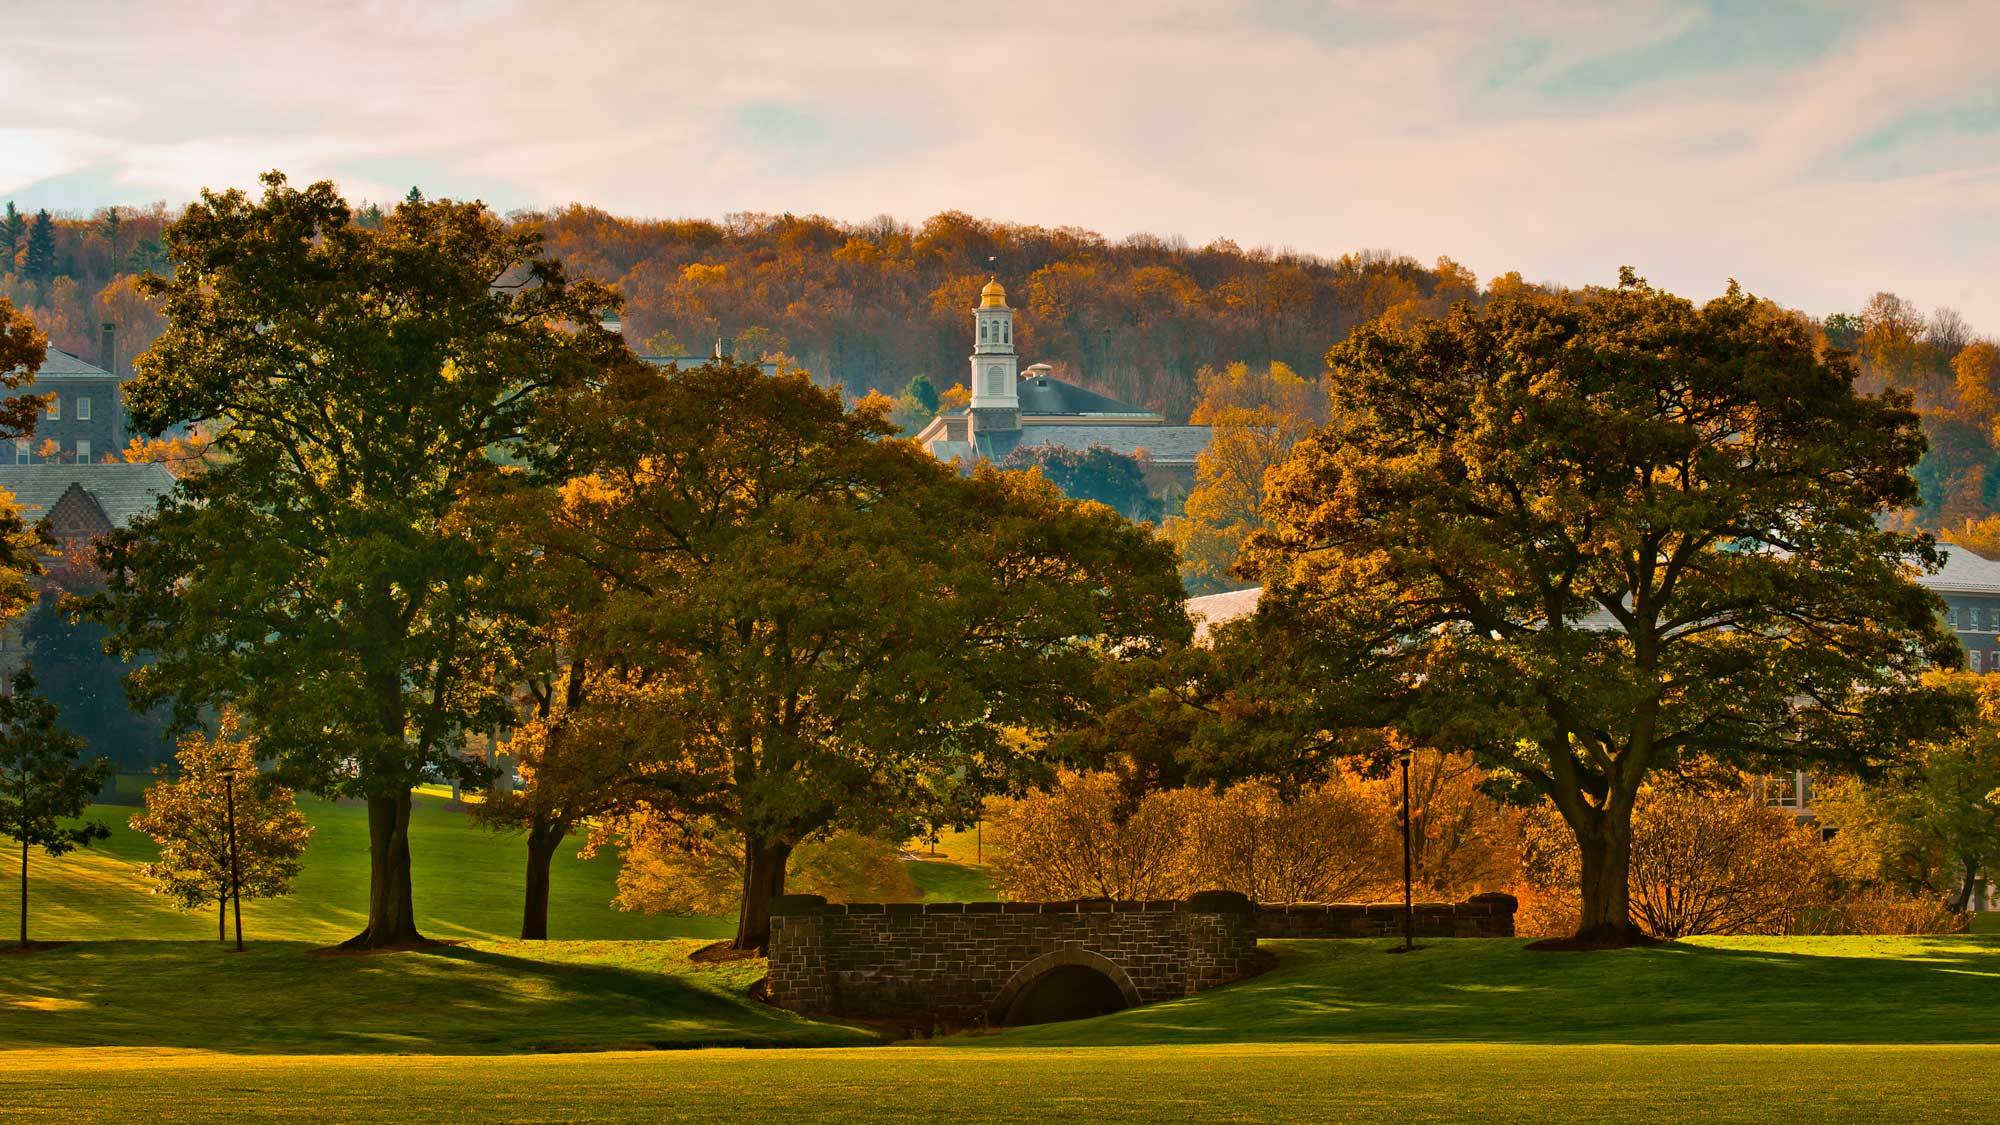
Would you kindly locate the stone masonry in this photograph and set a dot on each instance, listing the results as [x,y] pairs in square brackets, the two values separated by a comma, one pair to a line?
[1485,915]
[960,964]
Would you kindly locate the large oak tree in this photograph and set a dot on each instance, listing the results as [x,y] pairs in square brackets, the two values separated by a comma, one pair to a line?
[323,576]
[808,627]
[1594,536]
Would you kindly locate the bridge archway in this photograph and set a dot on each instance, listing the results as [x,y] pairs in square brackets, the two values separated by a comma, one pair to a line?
[1069,983]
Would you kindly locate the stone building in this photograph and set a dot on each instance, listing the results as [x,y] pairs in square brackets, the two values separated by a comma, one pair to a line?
[84,419]
[1013,409]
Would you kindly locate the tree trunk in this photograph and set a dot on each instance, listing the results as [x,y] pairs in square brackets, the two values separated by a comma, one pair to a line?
[1606,846]
[392,916]
[543,838]
[763,880]
[222,914]
[1962,901]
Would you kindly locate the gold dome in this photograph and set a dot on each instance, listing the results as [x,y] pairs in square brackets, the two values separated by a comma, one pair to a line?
[994,296]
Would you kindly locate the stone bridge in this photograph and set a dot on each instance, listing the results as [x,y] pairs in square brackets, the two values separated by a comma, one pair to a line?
[999,964]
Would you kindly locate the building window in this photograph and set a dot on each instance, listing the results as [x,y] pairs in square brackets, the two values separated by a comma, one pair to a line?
[55,408]
[83,453]
[83,410]
[21,454]
[982,331]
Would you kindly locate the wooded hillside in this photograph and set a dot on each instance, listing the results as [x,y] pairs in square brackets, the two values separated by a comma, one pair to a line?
[870,305]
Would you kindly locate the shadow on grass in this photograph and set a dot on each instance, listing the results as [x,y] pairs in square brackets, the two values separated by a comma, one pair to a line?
[1776,990]
[278,997]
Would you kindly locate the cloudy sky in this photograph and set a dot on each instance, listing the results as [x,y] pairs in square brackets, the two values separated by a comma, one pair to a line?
[1818,151]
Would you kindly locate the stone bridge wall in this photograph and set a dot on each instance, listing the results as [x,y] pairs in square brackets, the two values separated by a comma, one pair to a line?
[1485,915]
[961,963]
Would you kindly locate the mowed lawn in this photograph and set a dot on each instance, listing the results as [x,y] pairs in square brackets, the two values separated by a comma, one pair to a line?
[468,885]
[478,998]
[1311,1082]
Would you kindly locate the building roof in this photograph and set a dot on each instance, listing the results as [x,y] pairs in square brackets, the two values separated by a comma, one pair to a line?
[1041,394]
[1165,445]
[122,490]
[1964,573]
[1214,609]
[62,365]
[994,295]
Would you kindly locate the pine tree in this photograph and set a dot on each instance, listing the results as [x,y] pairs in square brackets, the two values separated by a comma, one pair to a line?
[40,266]
[11,231]
[43,780]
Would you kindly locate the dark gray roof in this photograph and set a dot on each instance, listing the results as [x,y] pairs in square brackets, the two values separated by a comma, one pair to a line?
[62,365]
[1168,445]
[122,490]
[1041,394]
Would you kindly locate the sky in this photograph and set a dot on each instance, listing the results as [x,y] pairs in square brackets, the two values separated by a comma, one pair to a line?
[1815,151]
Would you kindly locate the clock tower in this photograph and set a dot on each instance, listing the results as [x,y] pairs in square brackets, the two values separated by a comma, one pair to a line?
[996,399]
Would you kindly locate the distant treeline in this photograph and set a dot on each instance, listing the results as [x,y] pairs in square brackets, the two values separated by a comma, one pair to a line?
[870,305]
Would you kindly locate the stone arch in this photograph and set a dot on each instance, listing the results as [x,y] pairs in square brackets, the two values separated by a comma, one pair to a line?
[1028,974]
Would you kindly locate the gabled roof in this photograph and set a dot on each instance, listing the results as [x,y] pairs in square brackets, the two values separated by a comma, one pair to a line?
[1043,394]
[62,365]
[120,489]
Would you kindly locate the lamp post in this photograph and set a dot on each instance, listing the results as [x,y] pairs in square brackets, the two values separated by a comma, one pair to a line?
[235,873]
[1409,910]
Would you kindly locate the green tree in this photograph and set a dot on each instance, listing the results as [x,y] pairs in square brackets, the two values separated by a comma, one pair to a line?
[189,818]
[1592,537]
[12,229]
[1110,478]
[43,780]
[323,575]
[813,629]
[1932,825]
[38,264]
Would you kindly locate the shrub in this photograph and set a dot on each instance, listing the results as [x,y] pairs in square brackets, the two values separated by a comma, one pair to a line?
[1070,842]
[669,868]
[1702,863]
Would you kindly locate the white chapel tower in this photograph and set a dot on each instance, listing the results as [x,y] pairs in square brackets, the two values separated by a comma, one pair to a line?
[994,361]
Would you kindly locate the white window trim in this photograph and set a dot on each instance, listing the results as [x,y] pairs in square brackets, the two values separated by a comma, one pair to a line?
[54,413]
[83,408]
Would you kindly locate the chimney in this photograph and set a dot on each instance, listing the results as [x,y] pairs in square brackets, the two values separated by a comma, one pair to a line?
[107,357]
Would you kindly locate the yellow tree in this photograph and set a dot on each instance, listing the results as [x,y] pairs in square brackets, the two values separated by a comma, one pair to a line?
[1257,417]
[189,819]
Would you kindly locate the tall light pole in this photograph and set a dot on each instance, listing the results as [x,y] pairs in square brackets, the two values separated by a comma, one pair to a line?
[1409,910]
[235,873]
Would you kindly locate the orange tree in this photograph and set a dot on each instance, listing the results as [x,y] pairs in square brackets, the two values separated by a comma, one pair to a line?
[807,627]
[323,575]
[1591,536]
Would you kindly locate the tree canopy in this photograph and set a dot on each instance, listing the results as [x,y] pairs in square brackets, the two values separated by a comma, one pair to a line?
[363,386]
[809,628]
[1595,536]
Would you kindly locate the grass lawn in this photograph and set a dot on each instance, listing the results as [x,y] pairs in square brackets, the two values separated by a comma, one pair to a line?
[468,884]
[1153,1084]
[485,997]
[1707,990]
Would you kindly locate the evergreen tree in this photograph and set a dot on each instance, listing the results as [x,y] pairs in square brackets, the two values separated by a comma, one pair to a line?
[12,229]
[43,780]
[40,265]
[89,685]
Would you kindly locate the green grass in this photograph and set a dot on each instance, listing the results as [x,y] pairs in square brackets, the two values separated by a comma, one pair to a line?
[1253,1084]
[1709,990]
[485,997]
[944,881]
[468,885]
